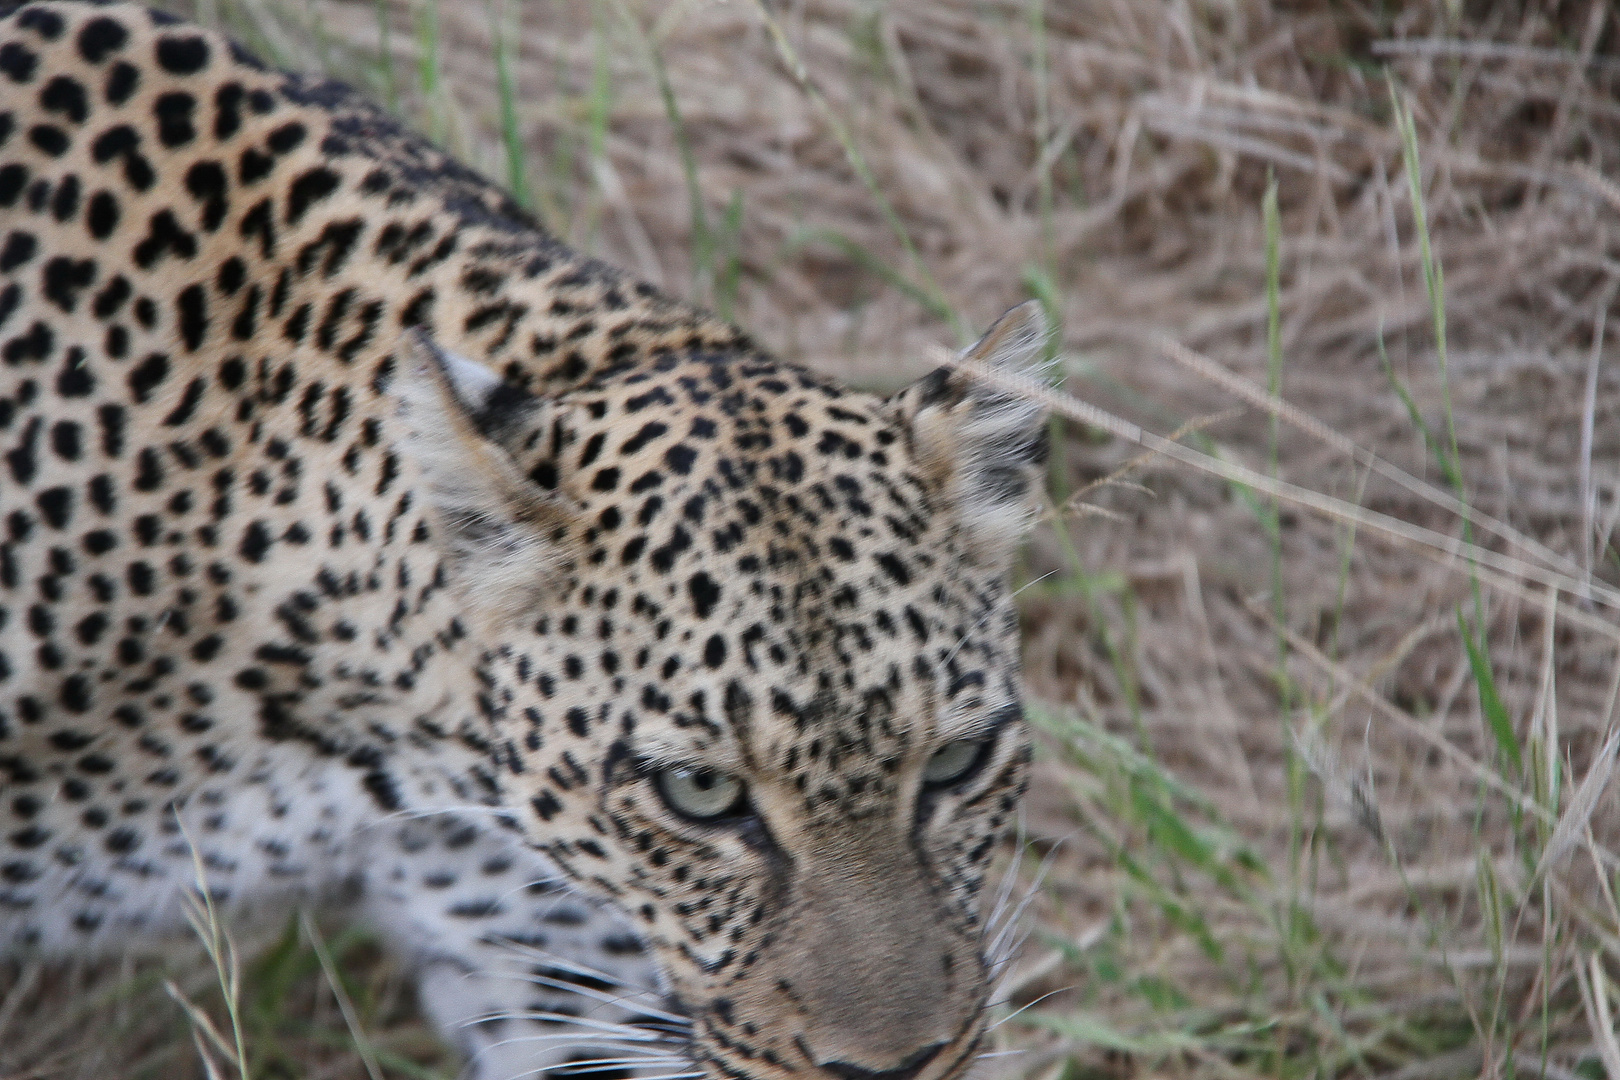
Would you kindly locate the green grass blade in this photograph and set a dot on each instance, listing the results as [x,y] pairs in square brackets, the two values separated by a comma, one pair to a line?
[1433,275]
[728,275]
[1415,415]
[385,45]
[428,69]
[506,38]
[702,237]
[1490,703]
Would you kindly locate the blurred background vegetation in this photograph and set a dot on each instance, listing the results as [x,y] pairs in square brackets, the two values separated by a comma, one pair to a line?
[1326,698]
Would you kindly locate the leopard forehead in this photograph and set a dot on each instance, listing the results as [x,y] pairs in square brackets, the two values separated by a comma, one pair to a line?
[754,532]
[240,524]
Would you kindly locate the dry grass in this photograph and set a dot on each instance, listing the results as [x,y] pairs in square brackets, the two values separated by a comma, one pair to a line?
[1283,835]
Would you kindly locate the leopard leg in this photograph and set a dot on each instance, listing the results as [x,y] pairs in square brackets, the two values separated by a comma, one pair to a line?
[523,974]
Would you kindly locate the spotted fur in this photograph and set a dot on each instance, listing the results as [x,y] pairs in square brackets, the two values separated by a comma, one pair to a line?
[354,531]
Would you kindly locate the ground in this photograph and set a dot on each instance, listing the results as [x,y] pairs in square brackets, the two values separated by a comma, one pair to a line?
[1311,801]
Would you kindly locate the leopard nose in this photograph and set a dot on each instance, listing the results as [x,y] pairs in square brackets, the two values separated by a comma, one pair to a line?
[904,1071]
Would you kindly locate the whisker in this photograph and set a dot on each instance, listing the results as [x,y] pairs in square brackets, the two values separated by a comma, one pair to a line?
[1031,1005]
[995,949]
[568,964]
[1040,876]
[592,1044]
[566,1067]
[1009,877]
[988,615]
[604,1065]
[675,1022]
[641,998]
[567,895]
[1011,950]
[607,1029]
[414,814]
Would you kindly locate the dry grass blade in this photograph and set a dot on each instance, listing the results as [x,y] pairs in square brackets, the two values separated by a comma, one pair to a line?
[1255,395]
[1433,544]
[1409,725]
[1116,479]
[1583,804]
[1594,987]
[206,1036]
[351,1020]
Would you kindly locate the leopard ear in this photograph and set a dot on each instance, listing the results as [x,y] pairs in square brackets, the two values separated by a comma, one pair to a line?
[987,443]
[501,532]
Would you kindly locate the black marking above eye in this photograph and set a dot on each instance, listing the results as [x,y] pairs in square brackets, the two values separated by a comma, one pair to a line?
[705,594]
[49,138]
[44,22]
[18,61]
[102,216]
[122,79]
[182,55]
[1010,713]
[173,113]
[65,95]
[207,183]
[309,188]
[101,37]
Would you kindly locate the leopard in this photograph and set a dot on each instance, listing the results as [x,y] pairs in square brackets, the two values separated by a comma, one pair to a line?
[655,701]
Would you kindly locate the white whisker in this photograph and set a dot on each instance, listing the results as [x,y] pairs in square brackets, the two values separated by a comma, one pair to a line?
[1009,878]
[564,1068]
[988,615]
[590,1029]
[628,1001]
[598,1065]
[647,1061]
[564,963]
[1012,948]
[415,814]
[1031,1005]
[644,1000]
[996,951]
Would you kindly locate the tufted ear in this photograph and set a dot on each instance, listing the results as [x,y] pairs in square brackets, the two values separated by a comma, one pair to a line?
[988,444]
[496,525]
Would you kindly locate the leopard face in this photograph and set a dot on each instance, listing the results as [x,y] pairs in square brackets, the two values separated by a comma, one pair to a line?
[319,446]
[760,678]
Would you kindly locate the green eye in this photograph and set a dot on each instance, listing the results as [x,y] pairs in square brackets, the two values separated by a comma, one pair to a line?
[953,761]
[702,794]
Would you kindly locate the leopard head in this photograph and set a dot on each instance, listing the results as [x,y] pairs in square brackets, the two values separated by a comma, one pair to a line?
[751,669]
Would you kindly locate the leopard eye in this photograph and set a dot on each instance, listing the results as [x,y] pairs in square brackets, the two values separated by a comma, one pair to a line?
[702,794]
[953,761]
